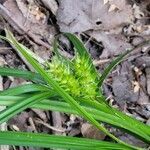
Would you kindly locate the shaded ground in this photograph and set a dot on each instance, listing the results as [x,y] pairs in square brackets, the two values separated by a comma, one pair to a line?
[107,27]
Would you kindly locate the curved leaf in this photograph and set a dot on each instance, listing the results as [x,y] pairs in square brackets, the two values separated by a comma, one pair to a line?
[27,88]
[28,75]
[21,105]
[51,141]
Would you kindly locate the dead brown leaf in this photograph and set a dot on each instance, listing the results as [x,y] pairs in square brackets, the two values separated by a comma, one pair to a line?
[113,44]
[90,131]
[31,11]
[79,16]
[34,29]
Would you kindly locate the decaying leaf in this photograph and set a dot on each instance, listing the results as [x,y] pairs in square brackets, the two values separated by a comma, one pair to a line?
[27,22]
[112,8]
[148,79]
[137,12]
[106,1]
[31,11]
[51,5]
[136,86]
[98,21]
[90,131]
[2,62]
[113,44]
[79,16]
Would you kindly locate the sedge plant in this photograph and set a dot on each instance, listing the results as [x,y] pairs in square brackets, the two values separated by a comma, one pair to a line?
[72,86]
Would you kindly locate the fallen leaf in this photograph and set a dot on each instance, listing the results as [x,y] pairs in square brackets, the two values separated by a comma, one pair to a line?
[137,71]
[112,8]
[51,5]
[2,62]
[148,79]
[24,25]
[106,1]
[31,11]
[137,12]
[113,44]
[90,131]
[80,16]
[136,86]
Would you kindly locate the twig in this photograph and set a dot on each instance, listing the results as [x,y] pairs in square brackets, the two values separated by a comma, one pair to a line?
[101,62]
[32,124]
[57,121]
[50,127]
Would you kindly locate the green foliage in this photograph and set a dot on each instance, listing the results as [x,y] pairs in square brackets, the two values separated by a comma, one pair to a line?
[64,75]
[70,86]
[86,78]
[76,79]
[53,141]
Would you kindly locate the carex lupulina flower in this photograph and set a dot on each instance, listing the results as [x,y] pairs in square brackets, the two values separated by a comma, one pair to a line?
[78,76]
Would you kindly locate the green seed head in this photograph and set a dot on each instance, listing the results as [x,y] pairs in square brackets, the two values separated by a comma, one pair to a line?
[78,80]
[86,77]
[63,74]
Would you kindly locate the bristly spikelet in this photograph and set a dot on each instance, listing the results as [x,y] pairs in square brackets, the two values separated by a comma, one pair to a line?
[63,74]
[86,78]
[78,80]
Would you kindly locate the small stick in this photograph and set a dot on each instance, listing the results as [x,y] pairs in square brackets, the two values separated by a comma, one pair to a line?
[50,127]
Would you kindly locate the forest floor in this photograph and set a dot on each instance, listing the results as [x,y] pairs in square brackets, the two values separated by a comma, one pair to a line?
[107,28]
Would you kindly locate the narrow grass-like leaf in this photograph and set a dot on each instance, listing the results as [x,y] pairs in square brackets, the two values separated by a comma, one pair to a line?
[27,88]
[96,113]
[21,105]
[36,57]
[82,51]
[54,105]
[80,48]
[28,75]
[51,141]
[65,60]
[7,98]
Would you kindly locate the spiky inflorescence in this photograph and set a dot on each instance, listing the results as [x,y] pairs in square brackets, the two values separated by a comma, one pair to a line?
[85,76]
[63,74]
[78,80]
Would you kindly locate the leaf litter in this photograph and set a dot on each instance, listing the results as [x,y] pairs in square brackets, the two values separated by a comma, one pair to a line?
[109,27]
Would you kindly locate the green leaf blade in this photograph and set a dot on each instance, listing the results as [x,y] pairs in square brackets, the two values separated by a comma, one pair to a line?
[26,88]
[19,106]
[51,141]
[21,74]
